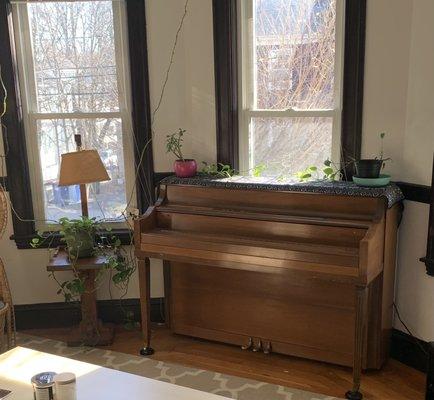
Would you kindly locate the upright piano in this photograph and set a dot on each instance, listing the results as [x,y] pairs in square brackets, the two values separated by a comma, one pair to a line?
[299,269]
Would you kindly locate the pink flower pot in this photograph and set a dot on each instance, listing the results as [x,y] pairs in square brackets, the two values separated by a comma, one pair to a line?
[185,169]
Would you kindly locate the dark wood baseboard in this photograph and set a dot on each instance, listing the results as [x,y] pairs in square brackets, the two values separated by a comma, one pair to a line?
[57,315]
[408,350]
[404,348]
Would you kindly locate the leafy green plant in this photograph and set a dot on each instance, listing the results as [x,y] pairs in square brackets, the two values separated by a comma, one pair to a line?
[174,143]
[257,170]
[219,169]
[226,171]
[330,171]
[121,264]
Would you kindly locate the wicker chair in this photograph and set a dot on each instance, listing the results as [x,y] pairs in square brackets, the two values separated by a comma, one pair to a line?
[4,339]
[7,315]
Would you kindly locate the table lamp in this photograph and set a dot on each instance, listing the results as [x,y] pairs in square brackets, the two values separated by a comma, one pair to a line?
[80,168]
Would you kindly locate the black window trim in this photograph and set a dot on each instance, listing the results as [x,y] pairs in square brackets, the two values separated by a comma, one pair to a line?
[18,179]
[226,80]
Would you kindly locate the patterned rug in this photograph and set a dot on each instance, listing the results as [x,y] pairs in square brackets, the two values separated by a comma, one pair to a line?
[206,381]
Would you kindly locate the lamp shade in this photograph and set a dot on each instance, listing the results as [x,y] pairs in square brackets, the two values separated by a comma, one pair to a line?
[80,167]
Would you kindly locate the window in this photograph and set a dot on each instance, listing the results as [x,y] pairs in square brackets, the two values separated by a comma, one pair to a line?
[73,68]
[291,64]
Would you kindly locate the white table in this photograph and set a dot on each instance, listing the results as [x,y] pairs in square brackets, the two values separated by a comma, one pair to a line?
[17,366]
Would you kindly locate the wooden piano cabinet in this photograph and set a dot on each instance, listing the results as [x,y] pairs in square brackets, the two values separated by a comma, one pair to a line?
[304,274]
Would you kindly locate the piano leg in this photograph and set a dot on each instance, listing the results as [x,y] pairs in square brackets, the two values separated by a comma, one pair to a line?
[361,306]
[145,305]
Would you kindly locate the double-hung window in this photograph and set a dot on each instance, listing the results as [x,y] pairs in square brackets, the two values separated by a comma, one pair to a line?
[73,74]
[291,54]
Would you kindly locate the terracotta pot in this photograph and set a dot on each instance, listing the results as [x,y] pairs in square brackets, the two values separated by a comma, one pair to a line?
[185,168]
[368,168]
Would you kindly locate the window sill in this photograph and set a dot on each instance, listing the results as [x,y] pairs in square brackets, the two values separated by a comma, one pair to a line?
[23,241]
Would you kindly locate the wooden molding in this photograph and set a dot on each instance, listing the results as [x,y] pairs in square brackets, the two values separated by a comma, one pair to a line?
[141,109]
[415,192]
[408,350]
[226,80]
[14,136]
[61,314]
[429,258]
[354,67]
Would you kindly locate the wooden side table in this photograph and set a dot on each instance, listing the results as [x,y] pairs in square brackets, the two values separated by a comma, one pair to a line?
[91,331]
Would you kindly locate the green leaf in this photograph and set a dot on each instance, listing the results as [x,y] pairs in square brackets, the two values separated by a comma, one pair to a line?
[327,163]
[313,168]
[328,170]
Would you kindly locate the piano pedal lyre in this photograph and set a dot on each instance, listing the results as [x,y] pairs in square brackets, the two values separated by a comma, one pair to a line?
[267,347]
[248,345]
[257,347]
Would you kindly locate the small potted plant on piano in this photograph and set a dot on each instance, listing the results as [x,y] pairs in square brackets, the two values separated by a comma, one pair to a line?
[371,168]
[183,167]
[368,170]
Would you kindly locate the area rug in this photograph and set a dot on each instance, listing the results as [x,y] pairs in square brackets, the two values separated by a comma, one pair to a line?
[206,381]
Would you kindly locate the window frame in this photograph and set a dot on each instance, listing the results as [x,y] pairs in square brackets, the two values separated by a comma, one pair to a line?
[226,38]
[31,115]
[246,85]
[14,137]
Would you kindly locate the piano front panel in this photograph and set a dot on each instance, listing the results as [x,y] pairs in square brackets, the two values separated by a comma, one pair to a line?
[277,266]
[302,317]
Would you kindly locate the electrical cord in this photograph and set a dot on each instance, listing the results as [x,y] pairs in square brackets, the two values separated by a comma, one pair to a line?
[415,339]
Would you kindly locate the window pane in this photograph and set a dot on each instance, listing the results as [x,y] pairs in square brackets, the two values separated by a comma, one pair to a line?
[294,46]
[288,145]
[55,137]
[74,56]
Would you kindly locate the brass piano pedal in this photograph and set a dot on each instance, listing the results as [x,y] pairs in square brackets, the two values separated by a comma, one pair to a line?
[267,348]
[257,347]
[248,345]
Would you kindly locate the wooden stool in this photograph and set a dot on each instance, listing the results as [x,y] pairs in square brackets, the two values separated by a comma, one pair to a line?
[91,331]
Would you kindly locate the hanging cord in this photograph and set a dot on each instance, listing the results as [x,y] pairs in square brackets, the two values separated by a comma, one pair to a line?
[415,339]
[157,107]
[5,95]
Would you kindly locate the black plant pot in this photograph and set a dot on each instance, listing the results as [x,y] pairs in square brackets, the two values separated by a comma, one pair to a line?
[368,168]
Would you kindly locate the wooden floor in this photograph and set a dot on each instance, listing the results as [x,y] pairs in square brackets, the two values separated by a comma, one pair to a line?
[394,382]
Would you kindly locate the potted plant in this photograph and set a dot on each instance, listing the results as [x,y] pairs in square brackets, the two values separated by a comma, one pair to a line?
[183,167]
[89,237]
[79,236]
[371,168]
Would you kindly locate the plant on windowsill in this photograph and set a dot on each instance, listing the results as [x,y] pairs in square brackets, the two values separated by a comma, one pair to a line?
[226,171]
[371,168]
[366,169]
[330,172]
[86,237]
[183,167]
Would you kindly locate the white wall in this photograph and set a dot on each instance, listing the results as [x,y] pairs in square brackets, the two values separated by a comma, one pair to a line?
[399,99]
[189,99]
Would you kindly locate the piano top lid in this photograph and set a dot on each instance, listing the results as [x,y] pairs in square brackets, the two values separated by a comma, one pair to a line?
[391,192]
